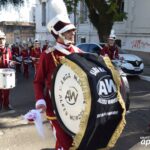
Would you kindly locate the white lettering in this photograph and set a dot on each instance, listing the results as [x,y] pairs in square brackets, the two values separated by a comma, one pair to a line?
[96,70]
[107,114]
[105,102]
[102,88]
[145,142]
[110,85]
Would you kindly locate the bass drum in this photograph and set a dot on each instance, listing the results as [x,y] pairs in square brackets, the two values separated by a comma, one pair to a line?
[85,100]
[125,89]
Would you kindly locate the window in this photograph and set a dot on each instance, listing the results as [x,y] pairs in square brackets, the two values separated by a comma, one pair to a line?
[83,40]
[43,13]
[121,7]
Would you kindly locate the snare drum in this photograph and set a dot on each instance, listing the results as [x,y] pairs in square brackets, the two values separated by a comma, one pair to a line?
[27,61]
[19,59]
[7,78]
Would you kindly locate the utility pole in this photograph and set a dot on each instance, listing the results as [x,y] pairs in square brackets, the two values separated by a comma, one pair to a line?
[75,20]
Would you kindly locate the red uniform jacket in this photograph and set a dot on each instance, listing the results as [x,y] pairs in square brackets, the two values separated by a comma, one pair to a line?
[35,53]
[15,51]
[5,57]
[44,74]
[111,51]
[24,54]
[44,48]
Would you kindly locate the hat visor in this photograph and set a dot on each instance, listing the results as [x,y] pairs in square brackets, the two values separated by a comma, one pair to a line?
[67,28]
[2,37]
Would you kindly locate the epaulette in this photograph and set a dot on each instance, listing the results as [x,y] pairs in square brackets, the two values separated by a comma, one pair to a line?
[50,49]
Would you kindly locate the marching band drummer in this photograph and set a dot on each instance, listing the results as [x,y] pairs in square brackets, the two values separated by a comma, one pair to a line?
[25,56]
[16,54]
[5,57]
[63,31]
[35,54]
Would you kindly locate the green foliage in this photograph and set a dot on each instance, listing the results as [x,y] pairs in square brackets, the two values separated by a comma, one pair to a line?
[71,5]
[103,13]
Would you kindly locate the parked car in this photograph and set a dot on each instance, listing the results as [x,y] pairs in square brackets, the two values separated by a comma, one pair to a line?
[129,63]
[90,47]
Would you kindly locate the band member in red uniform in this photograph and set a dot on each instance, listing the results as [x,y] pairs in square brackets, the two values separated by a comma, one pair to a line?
[16,54]
[110,49]
[25,56]
[5,57]
[63,31]
[45,46]
[35,54]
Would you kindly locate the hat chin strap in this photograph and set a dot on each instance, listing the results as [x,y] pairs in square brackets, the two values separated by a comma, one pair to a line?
[66,42]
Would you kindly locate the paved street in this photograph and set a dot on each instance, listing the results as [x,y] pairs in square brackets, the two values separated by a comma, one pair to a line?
[138,118]
[16,134]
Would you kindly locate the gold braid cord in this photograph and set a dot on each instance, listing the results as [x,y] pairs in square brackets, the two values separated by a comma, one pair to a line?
[55,60]
[87,96]
[122,123]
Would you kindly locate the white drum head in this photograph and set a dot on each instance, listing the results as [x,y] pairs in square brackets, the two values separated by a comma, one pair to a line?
[69,98]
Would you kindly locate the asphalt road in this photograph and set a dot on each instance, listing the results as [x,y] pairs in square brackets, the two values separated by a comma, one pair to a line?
[16,134]
[138,117]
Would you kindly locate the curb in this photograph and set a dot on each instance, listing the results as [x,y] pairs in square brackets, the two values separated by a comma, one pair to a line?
[7,112]
[146,78]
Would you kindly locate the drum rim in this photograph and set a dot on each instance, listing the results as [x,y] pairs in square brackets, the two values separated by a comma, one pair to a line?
[63,126]
[86,93]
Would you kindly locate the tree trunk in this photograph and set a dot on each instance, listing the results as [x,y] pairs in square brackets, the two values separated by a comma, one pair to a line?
[100,18]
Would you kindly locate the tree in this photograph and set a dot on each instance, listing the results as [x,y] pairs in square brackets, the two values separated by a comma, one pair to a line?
[4,3]
[103,13]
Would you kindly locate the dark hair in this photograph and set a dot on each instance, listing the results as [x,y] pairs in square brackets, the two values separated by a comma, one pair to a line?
[55,35]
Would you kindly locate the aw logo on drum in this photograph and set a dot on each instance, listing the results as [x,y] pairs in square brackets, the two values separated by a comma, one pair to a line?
[71,95]
[106,88]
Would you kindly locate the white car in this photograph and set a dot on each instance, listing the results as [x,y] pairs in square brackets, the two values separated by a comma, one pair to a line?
[129,63]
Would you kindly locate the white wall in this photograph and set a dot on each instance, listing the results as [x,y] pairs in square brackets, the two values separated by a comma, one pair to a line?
[42,32]
[135,31]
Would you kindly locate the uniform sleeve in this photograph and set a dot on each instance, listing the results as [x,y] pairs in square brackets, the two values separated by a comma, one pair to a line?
[116,53]
[10,54]
[103,51]
[40,77]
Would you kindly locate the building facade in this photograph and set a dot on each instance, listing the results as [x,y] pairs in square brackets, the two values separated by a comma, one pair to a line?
[17,32]
[135,31]
[18,22]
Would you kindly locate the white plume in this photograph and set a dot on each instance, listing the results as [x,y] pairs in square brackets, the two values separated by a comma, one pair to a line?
[58,7]
[112,33]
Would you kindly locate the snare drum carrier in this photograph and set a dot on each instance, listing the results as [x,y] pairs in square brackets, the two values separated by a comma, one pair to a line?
[7,75]
[87,101]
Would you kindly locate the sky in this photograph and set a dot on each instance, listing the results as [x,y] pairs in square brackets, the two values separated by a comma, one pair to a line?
[17,14]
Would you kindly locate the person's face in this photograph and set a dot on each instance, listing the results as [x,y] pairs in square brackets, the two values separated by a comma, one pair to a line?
[111,42]
[2,42]
[37,45]
[69,35]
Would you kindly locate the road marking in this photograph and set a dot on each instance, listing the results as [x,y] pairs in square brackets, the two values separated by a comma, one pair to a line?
[146,78]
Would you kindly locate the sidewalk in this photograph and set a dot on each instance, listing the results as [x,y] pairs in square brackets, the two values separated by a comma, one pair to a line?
[16,133]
